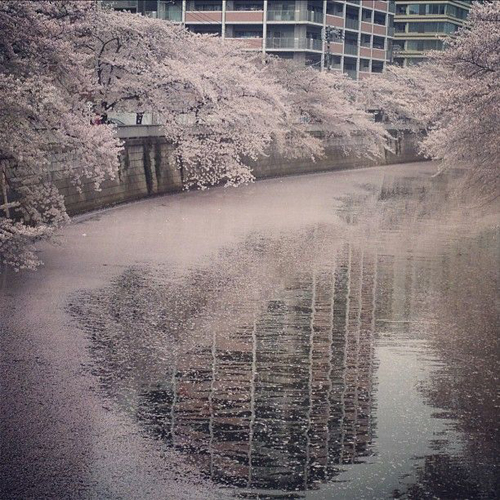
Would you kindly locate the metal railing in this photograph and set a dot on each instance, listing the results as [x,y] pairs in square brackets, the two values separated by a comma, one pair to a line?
[294,43]
[314,44]
[314,16]
[282,15]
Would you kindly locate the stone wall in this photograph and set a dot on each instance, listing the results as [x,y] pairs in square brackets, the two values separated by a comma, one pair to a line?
[147,168]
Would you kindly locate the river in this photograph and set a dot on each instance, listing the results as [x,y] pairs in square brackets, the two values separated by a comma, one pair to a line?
[329,336]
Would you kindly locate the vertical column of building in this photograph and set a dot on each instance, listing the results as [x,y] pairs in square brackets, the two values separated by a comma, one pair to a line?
[264,28]
[223,27]
[350,397]
[323,36]
[336,19]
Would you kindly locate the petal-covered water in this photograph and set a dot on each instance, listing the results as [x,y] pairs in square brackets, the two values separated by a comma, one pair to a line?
[352,354]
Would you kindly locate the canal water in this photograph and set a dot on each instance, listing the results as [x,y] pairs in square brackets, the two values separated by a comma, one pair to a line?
[349,355]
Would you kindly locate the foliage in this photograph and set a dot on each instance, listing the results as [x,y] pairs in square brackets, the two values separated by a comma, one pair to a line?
[467,110]
[454,98]
[213,102]
[44,121]
[64,62]
[403,95]
[324,102]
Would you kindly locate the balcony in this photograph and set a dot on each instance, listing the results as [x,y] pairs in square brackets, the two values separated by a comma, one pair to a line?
[282,15]
[314,44]
[294,43]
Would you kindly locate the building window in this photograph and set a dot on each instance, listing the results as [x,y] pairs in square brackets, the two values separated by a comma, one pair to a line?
[400,27]
[170,10]
[248,34]
[335,9]
[207,5]
[401,9]
[423,9]
[349,63]
[250,5]
[366,40]
[335,61]
[457,12]
[399,45]
[432,27]
[378,42]
[364,64]
[377,66]
[379,18]
[367,15]
[423,45]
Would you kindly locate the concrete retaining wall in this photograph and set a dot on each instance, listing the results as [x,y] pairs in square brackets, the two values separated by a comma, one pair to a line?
[147,168]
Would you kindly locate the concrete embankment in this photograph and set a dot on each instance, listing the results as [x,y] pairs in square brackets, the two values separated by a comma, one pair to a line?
[148,168]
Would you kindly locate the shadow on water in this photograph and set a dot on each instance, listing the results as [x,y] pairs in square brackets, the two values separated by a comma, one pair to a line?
[264,366]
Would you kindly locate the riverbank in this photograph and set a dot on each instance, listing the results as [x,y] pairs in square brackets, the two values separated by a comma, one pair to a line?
[148,168]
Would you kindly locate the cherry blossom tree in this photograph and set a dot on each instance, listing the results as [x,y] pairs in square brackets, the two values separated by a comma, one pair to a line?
[214,104]
[64,62]
[404,95]
[453,99]
[467,109]
[218,104]
[44,122]
[321,107]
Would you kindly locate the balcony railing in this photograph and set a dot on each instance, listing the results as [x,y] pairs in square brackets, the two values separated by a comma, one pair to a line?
[282,15]
[351,49]
[315,17]
[294,43]
[314,44]
[351,23]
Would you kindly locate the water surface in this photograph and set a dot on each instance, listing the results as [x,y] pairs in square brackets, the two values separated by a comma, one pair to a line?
[350,354]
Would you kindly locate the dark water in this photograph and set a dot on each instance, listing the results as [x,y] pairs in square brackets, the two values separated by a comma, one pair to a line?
[352,358]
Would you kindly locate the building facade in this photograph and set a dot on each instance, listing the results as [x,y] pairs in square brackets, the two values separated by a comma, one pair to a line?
[359,40]
[422,25]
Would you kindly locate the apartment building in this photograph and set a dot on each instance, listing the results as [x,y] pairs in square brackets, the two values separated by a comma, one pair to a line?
[422,25]
[353,36]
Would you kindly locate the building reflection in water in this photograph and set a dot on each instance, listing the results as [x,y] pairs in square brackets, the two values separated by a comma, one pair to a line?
[283,402]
